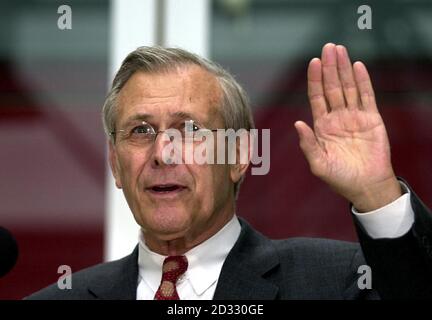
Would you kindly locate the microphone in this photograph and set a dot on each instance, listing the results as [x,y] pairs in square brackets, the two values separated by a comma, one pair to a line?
[8,251]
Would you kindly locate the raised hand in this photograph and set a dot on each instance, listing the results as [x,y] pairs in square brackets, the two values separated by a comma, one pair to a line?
[348,147]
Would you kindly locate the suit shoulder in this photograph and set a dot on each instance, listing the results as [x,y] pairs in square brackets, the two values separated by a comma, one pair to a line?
[315,244]
[100,273]
[317,250]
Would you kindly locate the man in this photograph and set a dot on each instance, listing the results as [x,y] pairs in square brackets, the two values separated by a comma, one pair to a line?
[192,244]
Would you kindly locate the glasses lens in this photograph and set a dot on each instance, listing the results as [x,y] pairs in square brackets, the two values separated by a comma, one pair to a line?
[141,133]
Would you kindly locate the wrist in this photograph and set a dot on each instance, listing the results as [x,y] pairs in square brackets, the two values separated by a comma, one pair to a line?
[377,195]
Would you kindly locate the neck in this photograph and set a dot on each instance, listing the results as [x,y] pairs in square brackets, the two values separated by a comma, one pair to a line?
[181,244]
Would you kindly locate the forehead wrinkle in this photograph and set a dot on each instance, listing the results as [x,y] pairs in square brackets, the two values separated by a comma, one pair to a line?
[202,81]
[152,88]
[182,88]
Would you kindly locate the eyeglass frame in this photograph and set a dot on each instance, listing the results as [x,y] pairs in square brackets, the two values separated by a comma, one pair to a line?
[155,133]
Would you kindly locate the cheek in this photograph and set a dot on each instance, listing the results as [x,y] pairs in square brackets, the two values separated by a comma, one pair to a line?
[222,180]
[212,183]
[131,165]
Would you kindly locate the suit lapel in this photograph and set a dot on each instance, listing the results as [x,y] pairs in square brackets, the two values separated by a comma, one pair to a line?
[245,273]
[120,283]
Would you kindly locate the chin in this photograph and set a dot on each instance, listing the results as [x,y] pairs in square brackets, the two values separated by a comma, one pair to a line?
[168,223]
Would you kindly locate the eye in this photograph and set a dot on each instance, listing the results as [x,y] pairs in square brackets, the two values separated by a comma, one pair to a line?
[142,129]
[191,126]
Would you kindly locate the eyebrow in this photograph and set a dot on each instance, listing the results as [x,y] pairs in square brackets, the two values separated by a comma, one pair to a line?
[138,117]
[179,115]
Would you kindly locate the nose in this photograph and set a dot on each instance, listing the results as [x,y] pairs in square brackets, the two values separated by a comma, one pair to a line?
[165,151]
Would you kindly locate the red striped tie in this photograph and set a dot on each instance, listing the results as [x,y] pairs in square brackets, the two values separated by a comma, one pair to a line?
[172,268]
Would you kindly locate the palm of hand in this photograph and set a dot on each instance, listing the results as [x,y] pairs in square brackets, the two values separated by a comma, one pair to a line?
[348,147]
[353,144]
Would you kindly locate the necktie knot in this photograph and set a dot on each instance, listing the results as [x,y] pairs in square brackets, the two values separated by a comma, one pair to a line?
[172,269]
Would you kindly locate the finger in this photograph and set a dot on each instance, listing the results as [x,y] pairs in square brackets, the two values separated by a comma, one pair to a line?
[308,144]
[332,86]
[364,84]
[346,76]
[315,89]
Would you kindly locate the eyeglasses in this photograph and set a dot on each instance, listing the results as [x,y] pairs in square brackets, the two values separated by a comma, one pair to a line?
[145,134]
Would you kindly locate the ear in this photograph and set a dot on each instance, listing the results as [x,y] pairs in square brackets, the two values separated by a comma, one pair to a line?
[114,164]
[244,149]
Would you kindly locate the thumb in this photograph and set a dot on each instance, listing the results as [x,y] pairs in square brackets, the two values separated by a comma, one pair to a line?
[308,142]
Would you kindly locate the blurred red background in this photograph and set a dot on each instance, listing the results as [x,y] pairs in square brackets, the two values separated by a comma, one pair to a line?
[52,147]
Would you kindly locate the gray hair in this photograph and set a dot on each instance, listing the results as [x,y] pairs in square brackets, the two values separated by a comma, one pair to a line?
[235,108]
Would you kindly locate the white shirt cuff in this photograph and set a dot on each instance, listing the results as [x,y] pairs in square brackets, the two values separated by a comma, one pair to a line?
[391,221]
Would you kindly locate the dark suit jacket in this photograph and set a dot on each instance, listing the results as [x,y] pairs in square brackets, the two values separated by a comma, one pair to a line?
[297,268]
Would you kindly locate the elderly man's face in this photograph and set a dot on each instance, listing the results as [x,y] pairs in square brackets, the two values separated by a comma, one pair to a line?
[202,196]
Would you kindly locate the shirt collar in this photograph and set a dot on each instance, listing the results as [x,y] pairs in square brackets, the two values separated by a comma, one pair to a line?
[205,260]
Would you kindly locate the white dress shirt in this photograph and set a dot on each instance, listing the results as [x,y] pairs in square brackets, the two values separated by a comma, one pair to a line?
[391,221]
[206,260]
[204,266]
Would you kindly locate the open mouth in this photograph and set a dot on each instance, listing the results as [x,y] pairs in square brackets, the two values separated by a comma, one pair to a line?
[166,188]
